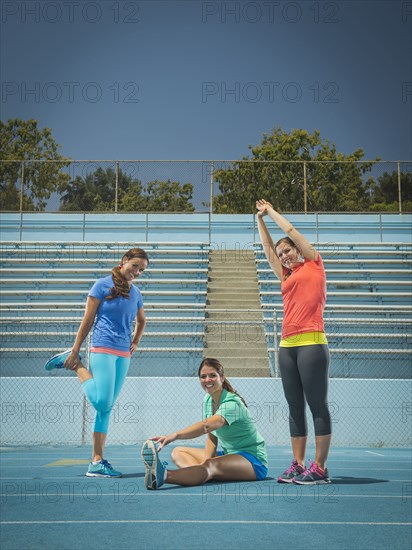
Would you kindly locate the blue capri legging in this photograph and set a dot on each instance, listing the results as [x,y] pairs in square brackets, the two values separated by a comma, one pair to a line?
[109,373]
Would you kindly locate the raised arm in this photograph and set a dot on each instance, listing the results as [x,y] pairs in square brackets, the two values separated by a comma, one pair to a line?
[266,239]
[308,251]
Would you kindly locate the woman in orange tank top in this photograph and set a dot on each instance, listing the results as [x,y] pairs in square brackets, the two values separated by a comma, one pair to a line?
[303,351]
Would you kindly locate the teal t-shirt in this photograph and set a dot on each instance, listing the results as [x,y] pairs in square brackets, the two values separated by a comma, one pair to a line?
[240,433]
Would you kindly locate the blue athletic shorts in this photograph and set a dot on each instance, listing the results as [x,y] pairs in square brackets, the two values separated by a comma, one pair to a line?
[260,469]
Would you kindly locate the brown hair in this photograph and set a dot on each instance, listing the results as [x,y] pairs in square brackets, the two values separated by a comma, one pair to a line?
[121,286]
[285,240]
[289,241]
[217,365]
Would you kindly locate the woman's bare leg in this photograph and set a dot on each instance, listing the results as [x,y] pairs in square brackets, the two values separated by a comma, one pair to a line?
[99,440]
[230,467]
[299,448]
[322,449]
[82,373]
[184,457]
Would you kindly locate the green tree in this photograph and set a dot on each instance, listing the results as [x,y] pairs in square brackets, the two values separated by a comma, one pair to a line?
[131,197]
[333,183]
[385,192]
[97,191]
[158,196]
[169,196]
[22,140]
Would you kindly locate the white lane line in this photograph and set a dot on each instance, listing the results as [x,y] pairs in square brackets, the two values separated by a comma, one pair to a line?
[327,496]
[207,522]
[373,453]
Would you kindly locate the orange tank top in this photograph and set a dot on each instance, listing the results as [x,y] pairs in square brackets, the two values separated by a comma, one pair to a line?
[304,298]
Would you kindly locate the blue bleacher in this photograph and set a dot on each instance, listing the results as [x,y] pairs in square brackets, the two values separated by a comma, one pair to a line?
[44,283]
[368,316]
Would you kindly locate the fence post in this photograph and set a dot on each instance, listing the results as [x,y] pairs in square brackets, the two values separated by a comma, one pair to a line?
[21,226]
[305,191]
[212,176]
[116,193]
[212,169]
[22,186]
[147,227]
[399,188]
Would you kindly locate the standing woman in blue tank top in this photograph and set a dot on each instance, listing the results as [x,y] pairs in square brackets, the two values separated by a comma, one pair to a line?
[113,304]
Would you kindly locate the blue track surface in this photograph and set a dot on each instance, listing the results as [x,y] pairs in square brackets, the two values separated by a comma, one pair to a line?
[48,503]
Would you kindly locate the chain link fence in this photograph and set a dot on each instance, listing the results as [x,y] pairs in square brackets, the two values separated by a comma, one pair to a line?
[217,186]
[369,383]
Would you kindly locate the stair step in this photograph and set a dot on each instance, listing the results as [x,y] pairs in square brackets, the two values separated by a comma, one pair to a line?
[238,352]
[232,268]
[241,277]
[233,285]
[224,291]
[243,255]
[226,316]
[228,302]
[249,338]
[246,372]
[233,289]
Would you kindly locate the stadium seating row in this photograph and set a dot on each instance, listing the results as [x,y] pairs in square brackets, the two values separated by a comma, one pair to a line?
[44,286]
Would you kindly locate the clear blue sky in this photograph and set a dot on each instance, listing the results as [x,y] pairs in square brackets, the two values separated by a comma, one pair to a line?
[203,80]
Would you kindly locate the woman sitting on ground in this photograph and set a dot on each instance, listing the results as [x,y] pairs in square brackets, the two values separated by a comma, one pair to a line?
[226,421]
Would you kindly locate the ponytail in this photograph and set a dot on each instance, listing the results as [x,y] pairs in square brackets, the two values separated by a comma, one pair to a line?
[217,365]
[121,285]
[228,386]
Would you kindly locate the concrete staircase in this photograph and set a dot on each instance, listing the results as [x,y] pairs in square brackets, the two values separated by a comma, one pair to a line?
[236,334]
